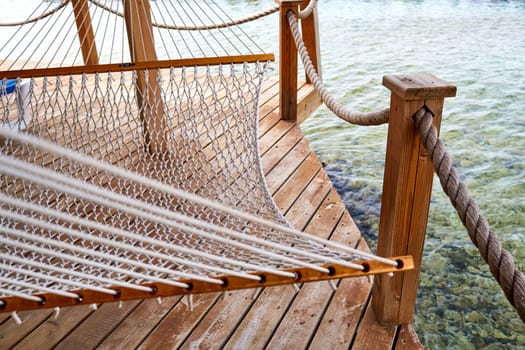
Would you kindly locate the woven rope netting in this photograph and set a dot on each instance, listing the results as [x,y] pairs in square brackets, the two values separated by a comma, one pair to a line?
[131,177]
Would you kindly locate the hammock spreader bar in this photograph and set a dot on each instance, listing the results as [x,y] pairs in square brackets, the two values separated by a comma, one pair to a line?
[126,67]
[303,275]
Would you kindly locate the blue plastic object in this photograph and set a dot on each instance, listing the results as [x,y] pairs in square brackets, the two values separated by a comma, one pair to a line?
[9,86]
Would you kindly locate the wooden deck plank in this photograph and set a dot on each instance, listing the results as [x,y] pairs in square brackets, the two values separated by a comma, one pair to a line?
[339,324]
[174,329]
[371,335]
[301,320]
[49,333]
[12,333]
[407,339]
[96,326]
[282,301]
[139,323]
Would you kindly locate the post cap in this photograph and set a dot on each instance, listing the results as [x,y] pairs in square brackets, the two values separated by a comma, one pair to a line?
[418,86]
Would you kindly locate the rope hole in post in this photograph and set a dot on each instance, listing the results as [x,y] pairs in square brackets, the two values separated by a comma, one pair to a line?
[224,282]
[80,298]
[3,304]
[366,267]
[262,279]
[400,264]
[153,290]
[188,288]
[298,276]
[42,301]
[331,271]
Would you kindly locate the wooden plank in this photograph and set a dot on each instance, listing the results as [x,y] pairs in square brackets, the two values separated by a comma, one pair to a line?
[273,136]
[300,321]
[308,169]
[407,338]
[372,335]
[340,322]
[270,307]
[179,323]
[85,32]
[138,324]
[93,330]
[275,154]
[219,322]
[12,333]
[54,329]
[308,101]
[278,174]
[202,332]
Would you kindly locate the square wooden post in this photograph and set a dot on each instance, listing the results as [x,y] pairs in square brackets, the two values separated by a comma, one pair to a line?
[85,31]
[139,28]
[407,187]
[287,62]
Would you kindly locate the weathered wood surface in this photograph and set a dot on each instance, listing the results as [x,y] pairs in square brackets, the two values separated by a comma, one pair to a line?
[407,187]
[315,316]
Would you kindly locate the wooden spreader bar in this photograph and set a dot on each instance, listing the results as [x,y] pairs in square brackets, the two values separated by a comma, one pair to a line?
[123,67]
[303,275]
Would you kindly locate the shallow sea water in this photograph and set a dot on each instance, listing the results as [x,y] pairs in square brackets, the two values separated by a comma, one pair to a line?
[480,47]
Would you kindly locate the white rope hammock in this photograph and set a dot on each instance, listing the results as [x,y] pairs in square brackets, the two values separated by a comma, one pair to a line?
[129,181]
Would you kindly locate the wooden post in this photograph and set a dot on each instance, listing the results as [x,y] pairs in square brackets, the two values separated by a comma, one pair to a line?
[287,62]
[407,188]
[310,30]
[139,28]
[85,31]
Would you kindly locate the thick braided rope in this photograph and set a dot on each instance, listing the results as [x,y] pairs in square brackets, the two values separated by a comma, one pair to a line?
[232,23]
[359,118]
[308,10]
[501,263]
[38,18]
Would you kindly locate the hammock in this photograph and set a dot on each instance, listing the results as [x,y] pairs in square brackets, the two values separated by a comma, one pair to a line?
[133,175]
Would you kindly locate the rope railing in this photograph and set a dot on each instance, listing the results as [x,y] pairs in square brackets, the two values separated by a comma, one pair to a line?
[308,9]
[37,18]
[360,118]
[500,261]
[227,24]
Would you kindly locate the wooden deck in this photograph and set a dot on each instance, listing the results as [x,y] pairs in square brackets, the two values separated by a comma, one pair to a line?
[314,316]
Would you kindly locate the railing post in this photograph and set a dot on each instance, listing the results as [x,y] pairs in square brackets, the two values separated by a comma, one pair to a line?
[287,62]
[85,31]
[407,187]
[137,15]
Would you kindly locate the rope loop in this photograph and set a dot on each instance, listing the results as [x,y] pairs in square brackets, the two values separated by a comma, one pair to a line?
[501,263]
[37,18]
[359,118]
[308,10]
[231,23]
